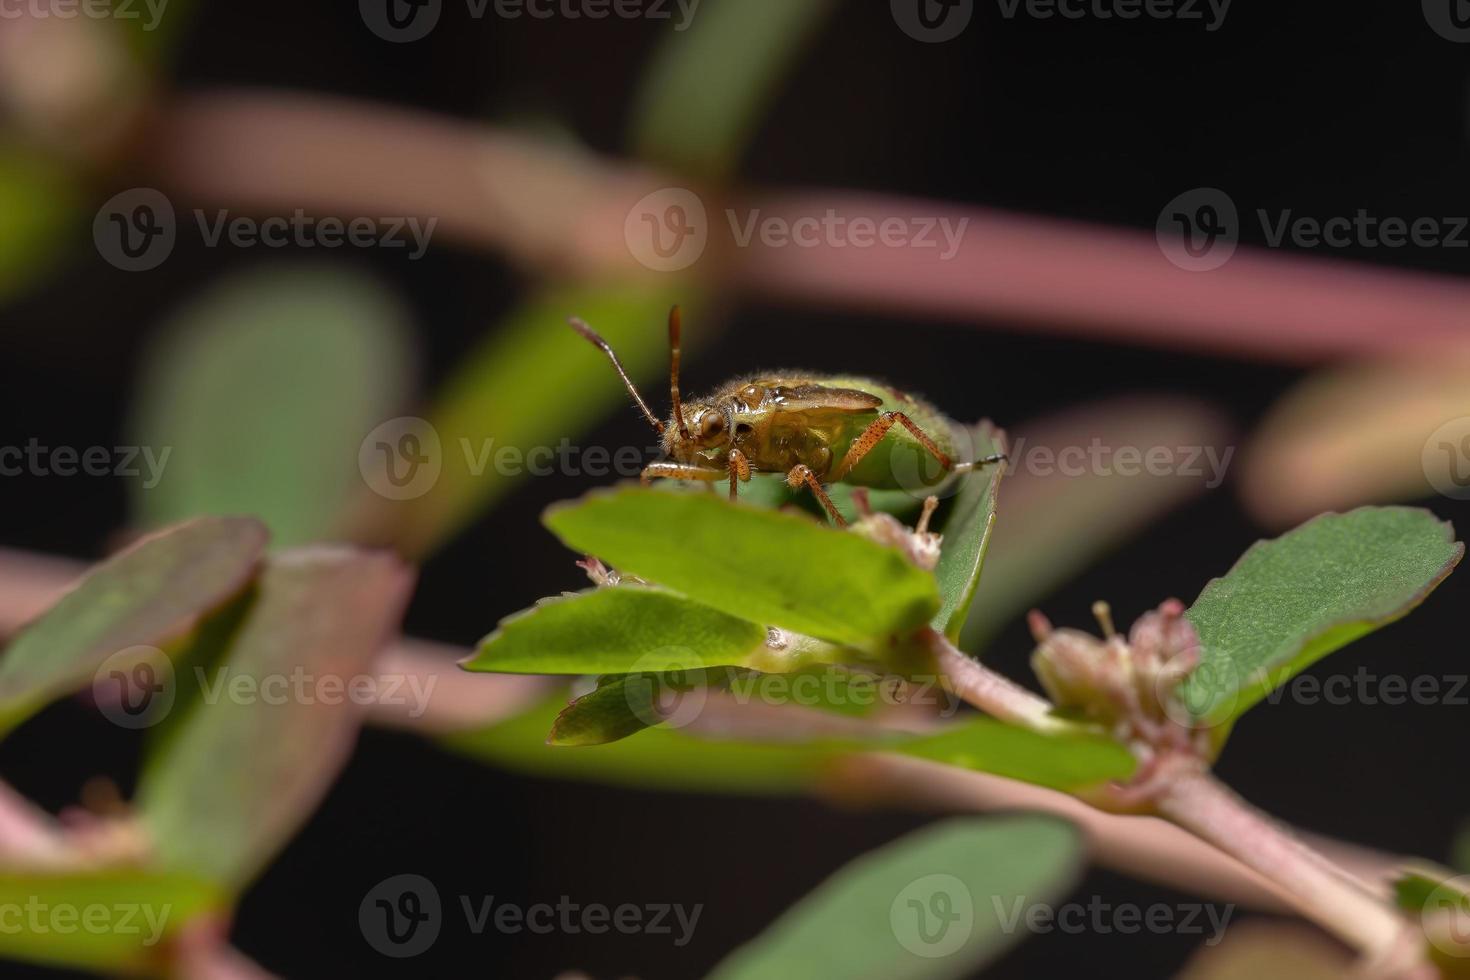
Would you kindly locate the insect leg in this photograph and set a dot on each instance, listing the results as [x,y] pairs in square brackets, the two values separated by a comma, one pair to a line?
[802,474]
[739,468]
[875,432]
[678,471]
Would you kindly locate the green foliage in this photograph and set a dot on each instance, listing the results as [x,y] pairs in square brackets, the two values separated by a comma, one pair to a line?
[263,389]
[967,534]
[701,98]
[615,631]
[112,920]
[933,905]
[38,207]
[277,719]
[531,383]
[773,568]
[1293,600]
[659,758]
[154,593]
[1065,762]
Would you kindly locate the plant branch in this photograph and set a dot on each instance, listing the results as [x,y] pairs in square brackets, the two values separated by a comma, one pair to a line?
[1194,799]
[563,212]
[996,695]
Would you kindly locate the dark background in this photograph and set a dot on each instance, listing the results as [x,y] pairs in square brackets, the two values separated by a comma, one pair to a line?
[1321,108]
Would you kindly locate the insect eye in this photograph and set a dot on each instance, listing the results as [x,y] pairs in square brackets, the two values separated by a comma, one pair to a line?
[711,425]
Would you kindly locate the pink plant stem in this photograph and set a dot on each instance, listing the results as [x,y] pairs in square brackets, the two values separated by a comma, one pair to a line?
[561,212]
[1198,802]
[996,695]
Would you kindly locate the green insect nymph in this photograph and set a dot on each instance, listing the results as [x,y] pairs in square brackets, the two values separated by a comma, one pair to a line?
[816,429]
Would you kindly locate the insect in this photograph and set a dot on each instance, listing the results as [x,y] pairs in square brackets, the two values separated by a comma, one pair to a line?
[815,429]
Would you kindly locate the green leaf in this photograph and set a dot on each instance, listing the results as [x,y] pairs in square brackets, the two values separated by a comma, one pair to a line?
[38,205]
[1291,601]
[658,758]
[263,390]
[153,593]
[773,568]
[617,630]
[116,920]
[933,905]
[626,704]
[967,534]
[1059,520]
[1065,762]
[701,98]
[278,718]
[532,384]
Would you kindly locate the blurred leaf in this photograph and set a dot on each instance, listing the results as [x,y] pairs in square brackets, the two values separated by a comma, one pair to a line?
[153,593]
[1065,762]
[700,99]
[1257,950]
[658,758]
[1358,434]
[967,534]
[251,761]
[626,704]
[1056,523]
[933,905]
[1415,887]
[531,385]
[116,920]
[771,567]
[262,391]
[1290,601]
[616,630]
[38,208]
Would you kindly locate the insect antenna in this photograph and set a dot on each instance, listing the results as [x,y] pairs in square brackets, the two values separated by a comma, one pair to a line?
[676,324]
[596,340]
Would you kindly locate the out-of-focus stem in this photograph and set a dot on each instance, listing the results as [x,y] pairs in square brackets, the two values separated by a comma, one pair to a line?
[1195,800]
